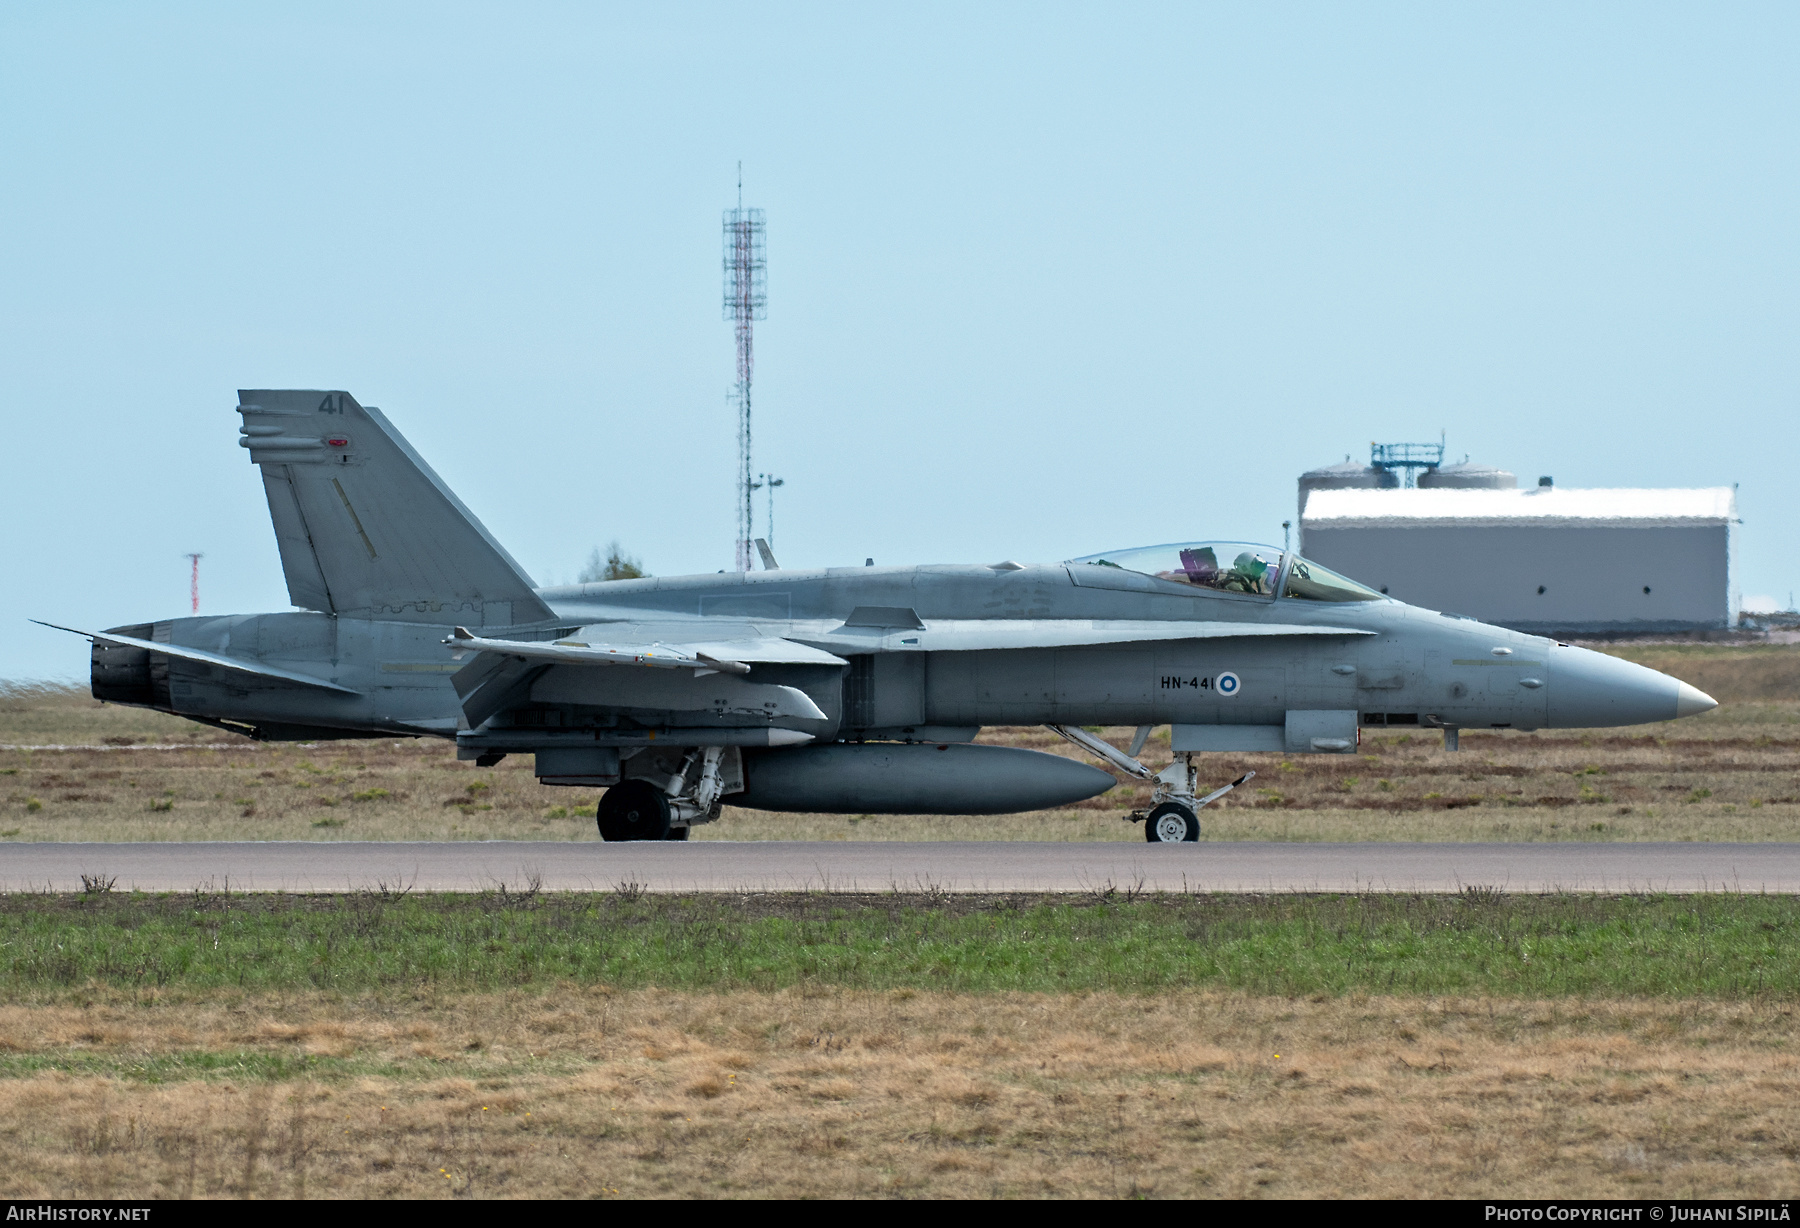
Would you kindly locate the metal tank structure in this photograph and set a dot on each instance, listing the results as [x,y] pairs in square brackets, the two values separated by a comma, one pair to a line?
[1468,475]
[1347,476]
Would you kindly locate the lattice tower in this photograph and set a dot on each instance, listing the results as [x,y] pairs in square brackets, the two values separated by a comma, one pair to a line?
[746,301]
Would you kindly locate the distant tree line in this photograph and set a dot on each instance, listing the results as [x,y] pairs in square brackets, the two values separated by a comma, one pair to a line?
[617,565]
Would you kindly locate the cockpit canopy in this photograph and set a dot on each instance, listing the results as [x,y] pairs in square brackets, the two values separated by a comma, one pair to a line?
[1235,567]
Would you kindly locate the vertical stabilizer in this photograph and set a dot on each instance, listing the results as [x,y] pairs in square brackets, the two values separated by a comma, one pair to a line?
[366,529]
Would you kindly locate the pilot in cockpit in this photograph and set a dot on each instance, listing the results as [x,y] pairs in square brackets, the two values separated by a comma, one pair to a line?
[1248,574]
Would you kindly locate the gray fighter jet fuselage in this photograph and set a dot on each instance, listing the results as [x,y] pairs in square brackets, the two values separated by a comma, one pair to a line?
[855,689]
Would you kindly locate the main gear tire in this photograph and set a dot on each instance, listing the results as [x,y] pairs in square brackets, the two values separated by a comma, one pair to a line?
[1172,823]
[633,810]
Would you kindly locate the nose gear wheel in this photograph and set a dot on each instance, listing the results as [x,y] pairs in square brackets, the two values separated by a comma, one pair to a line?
[1172,823]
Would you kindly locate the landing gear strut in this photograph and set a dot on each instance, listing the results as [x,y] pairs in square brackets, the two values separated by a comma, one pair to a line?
[1174,815]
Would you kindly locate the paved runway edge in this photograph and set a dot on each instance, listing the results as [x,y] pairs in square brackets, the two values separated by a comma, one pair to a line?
[303,866]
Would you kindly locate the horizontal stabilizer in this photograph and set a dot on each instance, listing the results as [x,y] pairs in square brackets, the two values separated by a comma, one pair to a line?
[202,657]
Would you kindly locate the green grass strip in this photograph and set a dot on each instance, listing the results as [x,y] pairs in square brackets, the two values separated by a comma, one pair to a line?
[1720,946]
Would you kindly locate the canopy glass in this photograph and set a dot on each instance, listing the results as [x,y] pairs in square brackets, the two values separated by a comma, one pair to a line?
[1233,567]
[1226,567]
[1307,580]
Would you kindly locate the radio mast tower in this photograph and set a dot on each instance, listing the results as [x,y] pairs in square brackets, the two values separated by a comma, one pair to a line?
[194,583]
[746,301]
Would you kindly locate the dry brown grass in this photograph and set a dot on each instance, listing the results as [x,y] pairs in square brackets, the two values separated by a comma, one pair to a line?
[1731,674]
[1731,775]
[653,1093]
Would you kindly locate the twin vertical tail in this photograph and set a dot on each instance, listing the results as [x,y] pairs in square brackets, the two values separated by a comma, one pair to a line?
[366,529]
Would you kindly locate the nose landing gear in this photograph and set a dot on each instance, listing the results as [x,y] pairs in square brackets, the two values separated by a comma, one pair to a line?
[1174,814]
[1174,811]
[1171,823]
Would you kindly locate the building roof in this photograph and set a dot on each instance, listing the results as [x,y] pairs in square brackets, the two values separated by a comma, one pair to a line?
[1537,505]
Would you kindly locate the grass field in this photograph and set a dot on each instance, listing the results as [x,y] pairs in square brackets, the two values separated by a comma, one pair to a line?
[1480,942]
[802,1046]
[1733,774]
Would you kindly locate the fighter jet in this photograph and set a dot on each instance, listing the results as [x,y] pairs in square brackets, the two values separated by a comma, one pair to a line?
[858,689]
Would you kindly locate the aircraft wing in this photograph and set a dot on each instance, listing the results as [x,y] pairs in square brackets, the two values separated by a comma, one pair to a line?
[203,657]
[507,672]
[987,634]
[725,657]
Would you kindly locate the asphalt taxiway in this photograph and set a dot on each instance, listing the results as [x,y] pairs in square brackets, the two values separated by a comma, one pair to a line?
[303,866]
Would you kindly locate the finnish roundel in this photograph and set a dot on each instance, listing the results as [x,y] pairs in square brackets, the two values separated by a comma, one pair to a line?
[1227,684]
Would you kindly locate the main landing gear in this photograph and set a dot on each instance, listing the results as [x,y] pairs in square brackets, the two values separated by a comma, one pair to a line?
[667,799]
[634,810]
[1174,814]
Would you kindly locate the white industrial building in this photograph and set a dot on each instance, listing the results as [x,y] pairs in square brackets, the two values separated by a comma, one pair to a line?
[1544,559]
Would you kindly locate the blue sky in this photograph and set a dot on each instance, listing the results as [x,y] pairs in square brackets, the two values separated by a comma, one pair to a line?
[1044,280]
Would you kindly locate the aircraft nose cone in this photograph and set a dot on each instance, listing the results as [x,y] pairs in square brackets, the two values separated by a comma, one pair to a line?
[1692,701]
[1591,689]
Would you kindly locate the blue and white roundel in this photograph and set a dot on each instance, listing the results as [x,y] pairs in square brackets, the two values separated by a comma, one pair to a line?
[1228,684]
